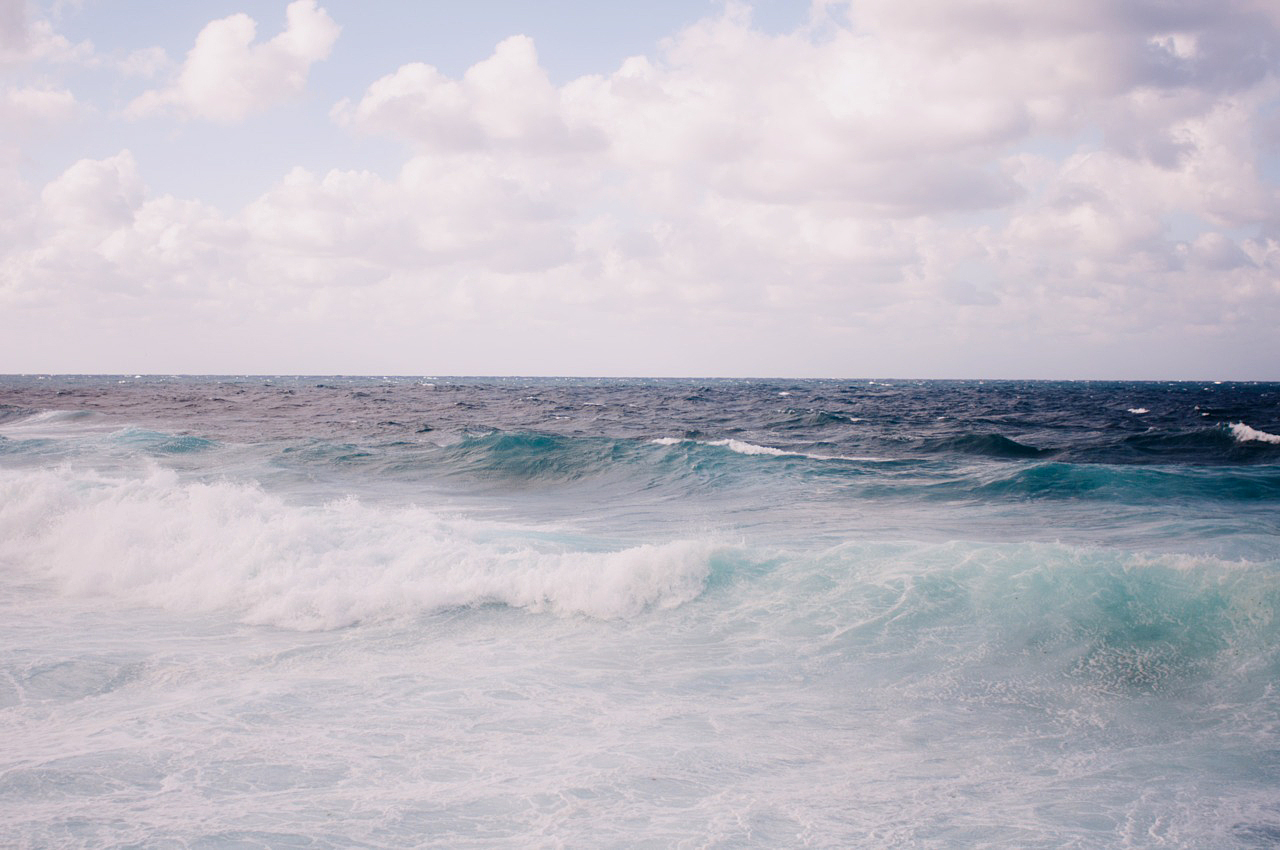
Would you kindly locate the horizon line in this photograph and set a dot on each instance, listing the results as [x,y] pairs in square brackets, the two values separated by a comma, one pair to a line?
[602,377]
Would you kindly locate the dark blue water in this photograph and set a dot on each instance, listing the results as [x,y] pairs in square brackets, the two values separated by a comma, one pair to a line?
[402,612]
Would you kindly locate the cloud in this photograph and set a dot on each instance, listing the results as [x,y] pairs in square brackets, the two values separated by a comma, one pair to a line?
[23,41]
[892,111]
[24,108]
[226,77]
[504,101]
[95,194]
[27,113]
[1011,179]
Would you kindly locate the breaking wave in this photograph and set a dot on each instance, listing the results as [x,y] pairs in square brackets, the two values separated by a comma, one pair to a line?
[159,541]
[1245,434]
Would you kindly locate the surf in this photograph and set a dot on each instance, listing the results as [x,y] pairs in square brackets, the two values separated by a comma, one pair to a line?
[179,545]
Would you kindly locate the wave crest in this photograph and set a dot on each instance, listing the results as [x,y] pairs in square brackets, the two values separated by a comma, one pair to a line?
[159,541]
[1244,434]
[752,450]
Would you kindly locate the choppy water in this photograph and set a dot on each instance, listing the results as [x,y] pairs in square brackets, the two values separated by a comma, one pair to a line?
[336,612]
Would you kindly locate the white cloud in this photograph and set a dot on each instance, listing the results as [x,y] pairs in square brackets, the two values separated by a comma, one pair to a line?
[23,109]
[1000,178]
[504,101]
[24,42]
[95,194]
[226,77]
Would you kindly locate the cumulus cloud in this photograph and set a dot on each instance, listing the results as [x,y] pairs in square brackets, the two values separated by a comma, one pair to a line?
[998,176]
[889,110]
[504,101]
[227,77]
[97,194]
[894,109]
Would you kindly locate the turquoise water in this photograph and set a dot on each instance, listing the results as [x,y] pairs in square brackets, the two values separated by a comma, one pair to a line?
[405,612]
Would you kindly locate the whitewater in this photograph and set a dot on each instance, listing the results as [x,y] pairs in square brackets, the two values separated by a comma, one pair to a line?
[429,611]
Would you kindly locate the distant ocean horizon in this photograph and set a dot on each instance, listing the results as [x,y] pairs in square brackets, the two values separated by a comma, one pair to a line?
[588,376]
[410,611]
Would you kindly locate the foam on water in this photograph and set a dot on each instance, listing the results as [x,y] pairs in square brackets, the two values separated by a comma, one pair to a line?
[867,695]
[751,450]
[739,446]
[191,546]
[1245,434]
[744,448]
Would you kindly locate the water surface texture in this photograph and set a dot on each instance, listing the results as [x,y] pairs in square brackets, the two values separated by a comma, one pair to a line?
[332,612]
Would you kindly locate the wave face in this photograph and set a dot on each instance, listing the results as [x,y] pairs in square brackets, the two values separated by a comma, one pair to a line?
[561,612]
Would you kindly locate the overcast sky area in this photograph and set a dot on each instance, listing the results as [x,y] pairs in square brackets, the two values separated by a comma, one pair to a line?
[870,188]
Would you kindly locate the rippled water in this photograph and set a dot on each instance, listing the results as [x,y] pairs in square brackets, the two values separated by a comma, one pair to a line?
[404,612]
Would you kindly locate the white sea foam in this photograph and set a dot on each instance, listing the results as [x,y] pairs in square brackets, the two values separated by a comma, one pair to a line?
[745,448]
[1138,410]
[160,541]
[739,446]
[1244,434]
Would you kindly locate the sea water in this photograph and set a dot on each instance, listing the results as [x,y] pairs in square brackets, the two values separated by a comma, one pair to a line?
[332,612]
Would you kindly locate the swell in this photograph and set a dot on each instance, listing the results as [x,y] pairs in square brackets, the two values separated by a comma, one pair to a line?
[14,413]
[159,443]
[1115,622]
[1225,443]
[1129,484]
[972,468]
[1112,620]
[988,468]
[534,456]
[983,445]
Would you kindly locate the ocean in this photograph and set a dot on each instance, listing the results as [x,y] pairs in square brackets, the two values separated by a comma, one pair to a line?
[335,612]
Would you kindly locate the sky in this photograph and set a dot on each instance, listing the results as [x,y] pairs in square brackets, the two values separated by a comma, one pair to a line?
[842,188]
